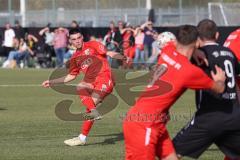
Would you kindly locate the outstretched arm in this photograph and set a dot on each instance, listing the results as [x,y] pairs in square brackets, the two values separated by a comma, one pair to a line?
[63,79]
[119,56]
[116,55]
[200,57]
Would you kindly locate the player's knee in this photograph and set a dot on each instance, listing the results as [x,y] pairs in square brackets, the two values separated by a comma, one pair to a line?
[84,85]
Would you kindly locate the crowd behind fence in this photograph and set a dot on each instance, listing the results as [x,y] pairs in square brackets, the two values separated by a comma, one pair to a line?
[40,53]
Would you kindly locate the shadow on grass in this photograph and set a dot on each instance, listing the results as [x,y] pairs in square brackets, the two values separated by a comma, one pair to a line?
[110,138]
[3,109]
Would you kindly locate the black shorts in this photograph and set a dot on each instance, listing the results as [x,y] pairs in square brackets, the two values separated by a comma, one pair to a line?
[205,130]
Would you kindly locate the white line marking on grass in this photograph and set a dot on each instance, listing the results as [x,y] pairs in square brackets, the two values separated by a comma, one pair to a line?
[20,85]
[39,85]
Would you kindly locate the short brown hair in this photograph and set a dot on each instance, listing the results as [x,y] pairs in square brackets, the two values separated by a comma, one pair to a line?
[207,29]
[187,34]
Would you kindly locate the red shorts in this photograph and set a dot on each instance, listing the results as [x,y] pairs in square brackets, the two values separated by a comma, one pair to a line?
[103,86]
[143,143]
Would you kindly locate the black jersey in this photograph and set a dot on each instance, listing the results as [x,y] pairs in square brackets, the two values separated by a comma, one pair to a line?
[225,59]
[218,115]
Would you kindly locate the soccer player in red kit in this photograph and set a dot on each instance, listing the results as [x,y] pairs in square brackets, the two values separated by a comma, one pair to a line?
[144,126]
[233,42]
[89,58]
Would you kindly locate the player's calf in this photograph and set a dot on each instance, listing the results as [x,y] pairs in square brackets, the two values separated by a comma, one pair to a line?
[93,115]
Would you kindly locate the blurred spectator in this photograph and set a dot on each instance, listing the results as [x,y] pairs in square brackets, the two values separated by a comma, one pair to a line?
[45,58]
[155,51]
[7,62]
[19,31]
[69,53]
[113,37]
[31,42]
[139,58]
[127,45]
[9,35]
[112,40]
[148,39]
[74,24]
[48,36]
[60,41]
[121,26]
[22,53]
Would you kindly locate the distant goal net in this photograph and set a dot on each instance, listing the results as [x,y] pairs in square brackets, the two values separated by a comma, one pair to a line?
[225,14]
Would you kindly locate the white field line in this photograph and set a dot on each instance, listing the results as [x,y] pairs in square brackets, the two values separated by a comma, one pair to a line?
[39,85]
[20,85]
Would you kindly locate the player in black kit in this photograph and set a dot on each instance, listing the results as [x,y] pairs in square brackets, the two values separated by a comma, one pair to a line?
[217,119]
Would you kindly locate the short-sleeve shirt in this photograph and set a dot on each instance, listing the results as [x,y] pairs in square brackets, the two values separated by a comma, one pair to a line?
[8,38]
[148,39]
[91,60]
[224,58]
[180,75]
[233,42]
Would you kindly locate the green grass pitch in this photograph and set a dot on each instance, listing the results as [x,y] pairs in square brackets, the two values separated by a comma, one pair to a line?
[30,130]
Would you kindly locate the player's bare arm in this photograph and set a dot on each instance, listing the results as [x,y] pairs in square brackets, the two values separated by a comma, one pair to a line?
[117,55]
[156,73]
[200,57]
[63,79]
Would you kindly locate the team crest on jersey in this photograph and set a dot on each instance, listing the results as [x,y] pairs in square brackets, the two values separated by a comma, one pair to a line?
[102,48]
[87,52]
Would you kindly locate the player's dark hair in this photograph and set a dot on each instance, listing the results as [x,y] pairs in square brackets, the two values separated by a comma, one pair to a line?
[187,34]
[74,31]
[207,29]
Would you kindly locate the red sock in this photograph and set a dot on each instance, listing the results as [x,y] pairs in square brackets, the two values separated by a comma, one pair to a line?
[86,99]
[86,126]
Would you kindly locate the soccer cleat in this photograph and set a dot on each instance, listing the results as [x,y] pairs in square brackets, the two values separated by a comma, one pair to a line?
[76,141]
[93,115]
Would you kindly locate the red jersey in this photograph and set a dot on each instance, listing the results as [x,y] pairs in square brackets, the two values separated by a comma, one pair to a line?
[91,60]
[233,42]
[169,47]
[180,75]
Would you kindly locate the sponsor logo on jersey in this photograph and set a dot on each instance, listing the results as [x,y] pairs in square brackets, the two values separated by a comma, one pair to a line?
[86,63]
[102,48]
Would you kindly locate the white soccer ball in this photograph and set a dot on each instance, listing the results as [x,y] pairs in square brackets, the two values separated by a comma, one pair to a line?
[164,38]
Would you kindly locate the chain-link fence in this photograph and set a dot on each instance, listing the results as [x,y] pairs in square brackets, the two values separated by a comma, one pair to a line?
[98,13]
